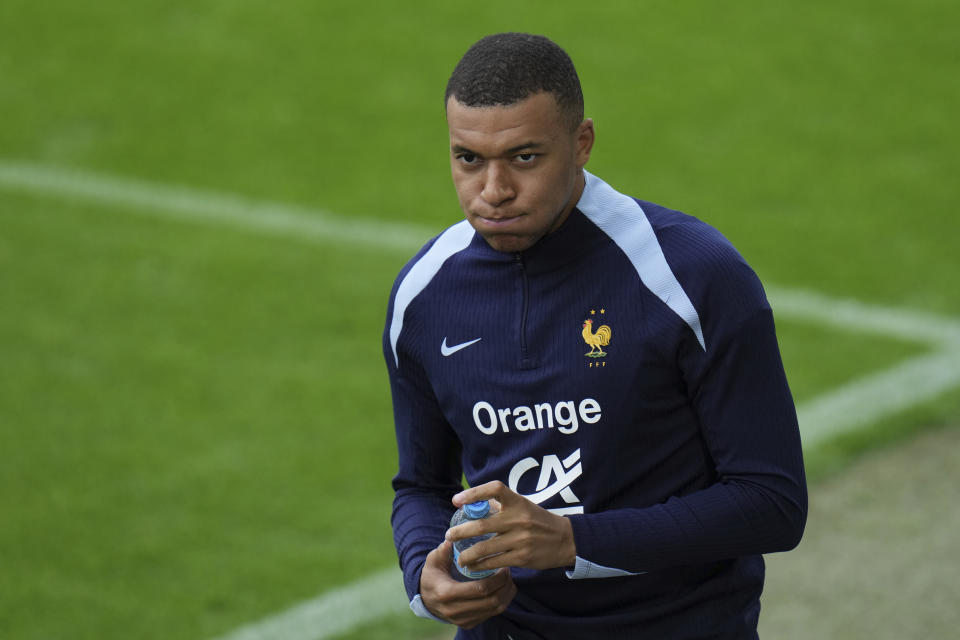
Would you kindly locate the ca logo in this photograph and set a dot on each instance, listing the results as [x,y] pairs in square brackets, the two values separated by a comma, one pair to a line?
[564,472]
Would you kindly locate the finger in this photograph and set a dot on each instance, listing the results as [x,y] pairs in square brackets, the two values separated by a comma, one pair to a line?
[471,602]
[489,586]
[490,557]
[494,523]
[445,552]
[509,549]
[496,562]
[509,588]
[482,548]
[492,596]
[471,529]
[442,556]
[494,490]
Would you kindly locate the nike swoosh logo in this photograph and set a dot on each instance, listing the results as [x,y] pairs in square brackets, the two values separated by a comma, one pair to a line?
[449,351]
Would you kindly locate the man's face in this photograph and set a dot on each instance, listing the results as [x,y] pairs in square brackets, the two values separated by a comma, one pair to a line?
[517,169]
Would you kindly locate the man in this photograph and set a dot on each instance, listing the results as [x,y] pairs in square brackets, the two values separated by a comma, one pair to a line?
[602,368]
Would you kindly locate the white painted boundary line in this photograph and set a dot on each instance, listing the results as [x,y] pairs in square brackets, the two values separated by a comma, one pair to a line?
[339,611]
[201,206]
[860,317]
[883,393]
[848,407]
[877,396]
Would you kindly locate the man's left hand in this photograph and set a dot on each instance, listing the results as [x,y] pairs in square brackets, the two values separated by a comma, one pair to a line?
[527,535]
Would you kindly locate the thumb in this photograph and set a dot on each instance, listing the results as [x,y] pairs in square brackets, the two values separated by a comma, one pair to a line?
[442,556]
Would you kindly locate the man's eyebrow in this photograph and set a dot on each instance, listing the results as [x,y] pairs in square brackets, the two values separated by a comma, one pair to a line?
[531,145]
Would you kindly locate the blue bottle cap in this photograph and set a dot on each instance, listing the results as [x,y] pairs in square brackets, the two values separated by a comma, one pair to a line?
[477,510]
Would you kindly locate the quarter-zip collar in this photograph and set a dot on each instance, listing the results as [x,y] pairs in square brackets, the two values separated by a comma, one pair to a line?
[576,236]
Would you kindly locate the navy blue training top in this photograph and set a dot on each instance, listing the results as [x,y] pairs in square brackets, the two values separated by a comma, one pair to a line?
[624,372]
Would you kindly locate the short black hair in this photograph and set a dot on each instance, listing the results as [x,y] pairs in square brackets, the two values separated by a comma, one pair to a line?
[506,68]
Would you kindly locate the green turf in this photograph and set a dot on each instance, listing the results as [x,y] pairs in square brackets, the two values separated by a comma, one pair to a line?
[195,429]
[805,348]
[179,403]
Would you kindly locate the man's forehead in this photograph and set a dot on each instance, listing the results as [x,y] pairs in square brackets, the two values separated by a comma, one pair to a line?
[536,118]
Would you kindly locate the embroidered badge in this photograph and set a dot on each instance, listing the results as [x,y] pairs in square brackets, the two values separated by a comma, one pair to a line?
[596,340]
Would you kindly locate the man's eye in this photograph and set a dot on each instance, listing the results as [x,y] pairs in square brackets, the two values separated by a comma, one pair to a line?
[525,158]
[467,158]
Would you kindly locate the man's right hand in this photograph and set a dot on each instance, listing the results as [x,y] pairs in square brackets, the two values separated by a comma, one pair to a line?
[465,604]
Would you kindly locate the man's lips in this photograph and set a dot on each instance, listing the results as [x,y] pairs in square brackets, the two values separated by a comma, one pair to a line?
[497,222]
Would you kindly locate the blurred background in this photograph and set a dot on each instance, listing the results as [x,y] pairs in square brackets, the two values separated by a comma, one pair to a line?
[203,206]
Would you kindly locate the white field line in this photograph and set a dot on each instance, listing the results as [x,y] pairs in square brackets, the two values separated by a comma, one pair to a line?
[336,612]
[203,206]
[881,393]
[847,407]
[860,317]
[877,396]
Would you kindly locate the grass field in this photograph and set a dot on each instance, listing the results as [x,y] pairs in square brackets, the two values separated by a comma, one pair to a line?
[195,430]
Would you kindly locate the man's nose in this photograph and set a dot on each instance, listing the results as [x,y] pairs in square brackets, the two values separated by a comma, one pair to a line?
[497,186]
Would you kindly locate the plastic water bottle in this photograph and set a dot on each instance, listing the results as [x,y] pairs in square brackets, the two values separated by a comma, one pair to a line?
[473,511]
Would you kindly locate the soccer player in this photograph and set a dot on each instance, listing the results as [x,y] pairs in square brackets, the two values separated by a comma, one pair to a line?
[604,369]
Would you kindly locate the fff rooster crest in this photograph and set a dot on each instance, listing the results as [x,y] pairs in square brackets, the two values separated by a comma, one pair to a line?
[598,339]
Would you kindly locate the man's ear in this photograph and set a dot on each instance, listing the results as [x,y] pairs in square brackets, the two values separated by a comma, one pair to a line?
[583,138]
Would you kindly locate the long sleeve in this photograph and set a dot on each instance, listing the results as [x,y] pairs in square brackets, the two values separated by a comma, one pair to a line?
[758,502]
[429,470]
